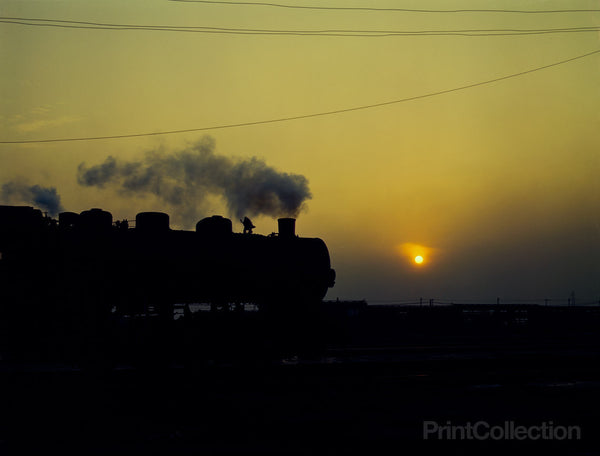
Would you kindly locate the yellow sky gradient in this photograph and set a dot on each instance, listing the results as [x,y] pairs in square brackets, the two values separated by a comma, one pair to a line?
[499,181]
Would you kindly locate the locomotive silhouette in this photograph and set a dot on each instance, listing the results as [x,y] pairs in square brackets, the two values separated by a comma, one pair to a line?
[86,259]
[84,281]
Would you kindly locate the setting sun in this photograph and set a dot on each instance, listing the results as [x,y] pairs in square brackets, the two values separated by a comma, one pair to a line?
[416,254]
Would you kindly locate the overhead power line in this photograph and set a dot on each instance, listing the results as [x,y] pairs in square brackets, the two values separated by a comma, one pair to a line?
[307,116]
[37,22]
[404,10]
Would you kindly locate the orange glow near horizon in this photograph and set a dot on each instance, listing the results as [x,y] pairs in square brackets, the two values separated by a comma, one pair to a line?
[416,254]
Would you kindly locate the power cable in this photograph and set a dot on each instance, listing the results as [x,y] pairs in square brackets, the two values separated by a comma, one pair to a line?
[307,116]
[36,22]
[404,10]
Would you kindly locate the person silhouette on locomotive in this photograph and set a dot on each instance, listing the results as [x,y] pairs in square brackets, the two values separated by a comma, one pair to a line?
[248,226]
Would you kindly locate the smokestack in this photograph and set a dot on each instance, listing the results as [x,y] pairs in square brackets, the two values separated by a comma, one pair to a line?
[287,228]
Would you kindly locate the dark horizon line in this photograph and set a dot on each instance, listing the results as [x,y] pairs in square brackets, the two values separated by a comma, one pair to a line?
[553,302]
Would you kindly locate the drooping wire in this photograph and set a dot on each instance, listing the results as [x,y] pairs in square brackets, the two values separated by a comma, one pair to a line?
[368,8]
[307,116]
[37,22]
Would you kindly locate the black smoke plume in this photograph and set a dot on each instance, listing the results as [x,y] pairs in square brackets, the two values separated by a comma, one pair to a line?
[185,179]
[45,198]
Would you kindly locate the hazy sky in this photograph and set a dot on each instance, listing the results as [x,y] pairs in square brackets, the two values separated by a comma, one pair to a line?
[496,186]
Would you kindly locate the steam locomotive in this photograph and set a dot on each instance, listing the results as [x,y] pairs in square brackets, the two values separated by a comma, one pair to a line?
[82,285]
[86,263]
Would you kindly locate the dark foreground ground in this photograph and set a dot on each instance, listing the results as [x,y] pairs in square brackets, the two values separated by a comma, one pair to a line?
[353,397]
